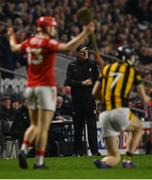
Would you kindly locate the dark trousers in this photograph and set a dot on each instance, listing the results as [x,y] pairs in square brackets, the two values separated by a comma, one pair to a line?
[84,113]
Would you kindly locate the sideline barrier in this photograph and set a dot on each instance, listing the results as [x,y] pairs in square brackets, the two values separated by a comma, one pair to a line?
[123,138]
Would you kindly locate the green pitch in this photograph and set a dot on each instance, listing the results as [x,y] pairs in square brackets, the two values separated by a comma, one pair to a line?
[76,167]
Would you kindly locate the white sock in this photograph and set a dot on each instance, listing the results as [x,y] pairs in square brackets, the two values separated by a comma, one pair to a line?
[24,148]
[39,160]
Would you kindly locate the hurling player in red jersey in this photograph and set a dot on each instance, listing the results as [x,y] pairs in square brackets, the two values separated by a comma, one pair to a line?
[41,86]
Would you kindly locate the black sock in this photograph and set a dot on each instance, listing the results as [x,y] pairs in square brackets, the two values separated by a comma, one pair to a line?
[128,156]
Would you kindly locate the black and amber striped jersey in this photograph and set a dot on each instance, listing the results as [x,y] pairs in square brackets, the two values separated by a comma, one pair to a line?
[117,81]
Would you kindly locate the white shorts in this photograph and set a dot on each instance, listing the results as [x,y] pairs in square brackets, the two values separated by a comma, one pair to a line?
[41,97]
[112,122]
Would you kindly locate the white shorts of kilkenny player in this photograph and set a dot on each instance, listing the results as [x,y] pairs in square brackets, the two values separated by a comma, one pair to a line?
[112,122]
[41,97]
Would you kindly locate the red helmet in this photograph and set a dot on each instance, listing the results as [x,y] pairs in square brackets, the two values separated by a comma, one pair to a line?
[46,21]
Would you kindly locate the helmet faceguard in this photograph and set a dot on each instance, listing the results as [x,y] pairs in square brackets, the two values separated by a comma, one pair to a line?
[126,53]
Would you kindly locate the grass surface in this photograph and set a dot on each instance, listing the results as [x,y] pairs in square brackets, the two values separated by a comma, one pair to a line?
[76,167]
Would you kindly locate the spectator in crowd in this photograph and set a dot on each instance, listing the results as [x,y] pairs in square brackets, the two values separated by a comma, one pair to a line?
[60,127]
[2,139]
[6,115]
[41,86]
[6,122]
[15,102]
[7,58]
[67,101]
[114,86]
[56,129]
[59,113]
[21,122]
[81,76]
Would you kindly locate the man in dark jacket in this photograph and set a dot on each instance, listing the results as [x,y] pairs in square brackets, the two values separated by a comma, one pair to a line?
[81,76]
[2,138]
[6,115]
[21,122]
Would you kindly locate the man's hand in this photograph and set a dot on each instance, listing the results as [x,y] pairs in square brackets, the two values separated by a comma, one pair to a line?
[10,31]
[87,82]
[15,47]
[90,27]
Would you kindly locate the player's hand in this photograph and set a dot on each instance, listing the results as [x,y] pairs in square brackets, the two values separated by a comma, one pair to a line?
[10,31]
[87,82]
[90,27]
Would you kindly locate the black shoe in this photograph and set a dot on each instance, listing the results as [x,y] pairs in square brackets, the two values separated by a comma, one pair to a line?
[101,165]
[128,165]
[22,160]
[40,166]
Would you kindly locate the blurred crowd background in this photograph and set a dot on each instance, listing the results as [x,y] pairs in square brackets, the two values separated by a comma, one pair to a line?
[118,22]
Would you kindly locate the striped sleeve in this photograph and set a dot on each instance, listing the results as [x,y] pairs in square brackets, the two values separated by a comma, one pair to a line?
[103,72]
[138,78]
[100,77]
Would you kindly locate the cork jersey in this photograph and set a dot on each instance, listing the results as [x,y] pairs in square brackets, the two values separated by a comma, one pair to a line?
[41,56]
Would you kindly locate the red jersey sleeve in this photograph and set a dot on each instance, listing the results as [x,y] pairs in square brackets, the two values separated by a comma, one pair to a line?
[25,44]
[53,45]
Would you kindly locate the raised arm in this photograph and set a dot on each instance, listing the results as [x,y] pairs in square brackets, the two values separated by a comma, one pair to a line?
[11,36]
[96,91]
[72,44]
[142,94]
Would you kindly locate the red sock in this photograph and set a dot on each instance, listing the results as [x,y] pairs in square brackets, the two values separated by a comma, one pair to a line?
[25,145]
[40,153]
